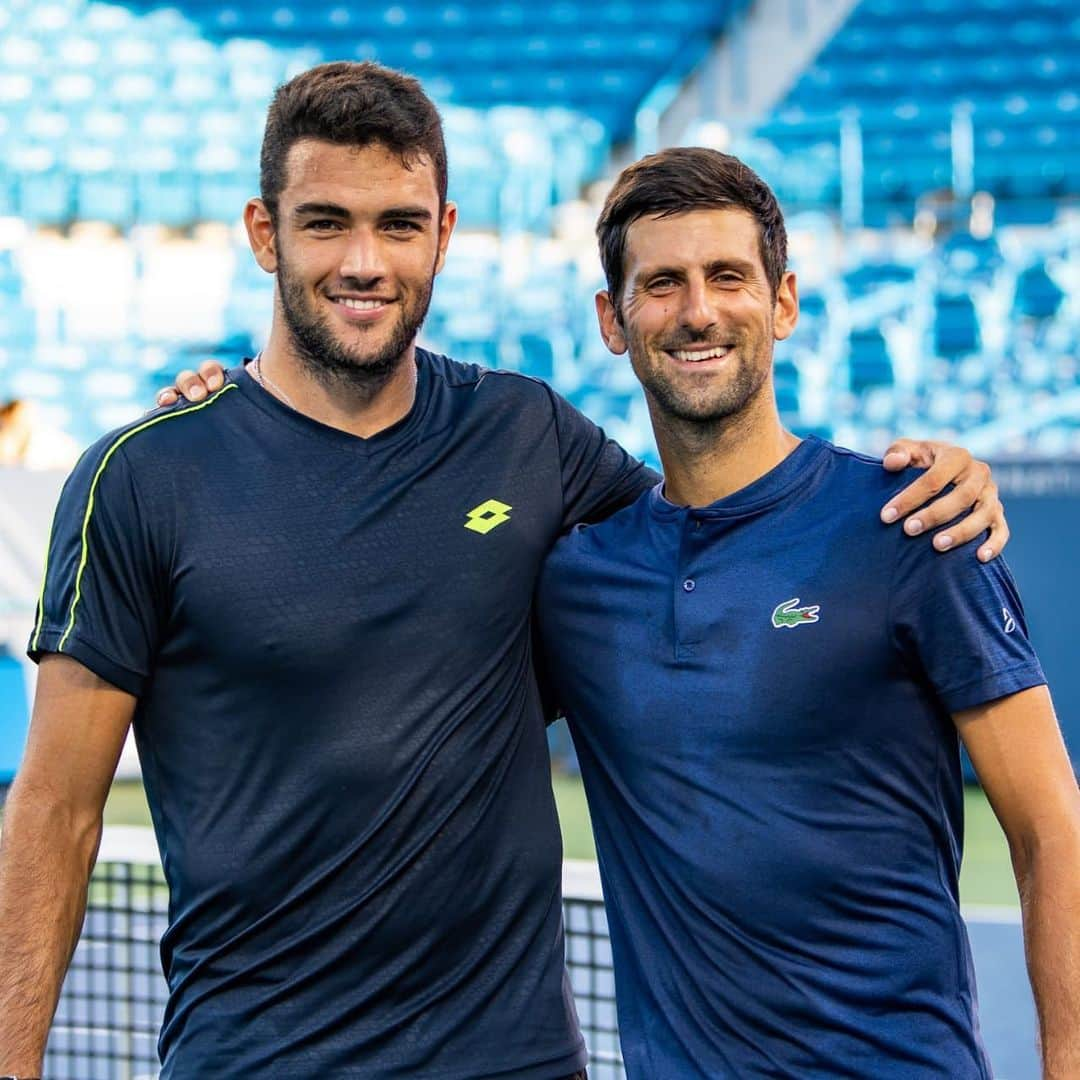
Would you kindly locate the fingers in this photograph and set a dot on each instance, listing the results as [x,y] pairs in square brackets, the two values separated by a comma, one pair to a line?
[998,538]
[191,385]
[919,491]
[213,374]
[971,488]
[898,456]
[987,514]
[194,385]
[951,465]
[974,490]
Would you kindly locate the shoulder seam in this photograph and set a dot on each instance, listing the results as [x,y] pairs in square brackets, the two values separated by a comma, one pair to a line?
[551,396]
[844,451]
[485,372]
[85,542]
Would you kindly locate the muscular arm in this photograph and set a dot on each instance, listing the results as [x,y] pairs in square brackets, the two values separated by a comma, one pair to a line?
[1017,750]
[52,828]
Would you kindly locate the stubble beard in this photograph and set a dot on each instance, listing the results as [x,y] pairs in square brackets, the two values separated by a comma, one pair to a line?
[702,413]
[322,353]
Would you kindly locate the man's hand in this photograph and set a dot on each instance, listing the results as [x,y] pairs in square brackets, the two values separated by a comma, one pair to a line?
[974,489]
[194,385]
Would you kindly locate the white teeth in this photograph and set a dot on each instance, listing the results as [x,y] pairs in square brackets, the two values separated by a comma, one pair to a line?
[360,305]
[695,355]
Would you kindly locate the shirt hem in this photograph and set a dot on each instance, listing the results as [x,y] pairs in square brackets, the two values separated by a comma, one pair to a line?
[48,641]
[1002,684]
[553,1069]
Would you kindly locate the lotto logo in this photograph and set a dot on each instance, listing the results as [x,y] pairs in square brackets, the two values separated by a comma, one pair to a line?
[487,516]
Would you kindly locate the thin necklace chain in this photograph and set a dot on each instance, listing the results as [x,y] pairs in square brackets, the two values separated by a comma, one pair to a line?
[267,383]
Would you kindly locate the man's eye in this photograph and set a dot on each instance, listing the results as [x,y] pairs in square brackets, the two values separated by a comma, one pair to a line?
[323,225]
[402,225]
[662,283]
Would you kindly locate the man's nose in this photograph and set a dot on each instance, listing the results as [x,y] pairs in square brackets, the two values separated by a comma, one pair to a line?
[364,258]
[699,310]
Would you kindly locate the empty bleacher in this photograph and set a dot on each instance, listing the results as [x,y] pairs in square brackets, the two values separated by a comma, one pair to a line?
[969,93]
[130,138]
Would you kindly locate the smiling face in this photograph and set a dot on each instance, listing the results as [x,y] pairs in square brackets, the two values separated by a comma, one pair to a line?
[697,313]
[358,240]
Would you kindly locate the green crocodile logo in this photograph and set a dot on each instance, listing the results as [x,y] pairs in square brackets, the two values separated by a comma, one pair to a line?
[790,614]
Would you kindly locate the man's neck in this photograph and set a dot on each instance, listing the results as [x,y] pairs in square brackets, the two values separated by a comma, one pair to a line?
[338,402]
[706,462]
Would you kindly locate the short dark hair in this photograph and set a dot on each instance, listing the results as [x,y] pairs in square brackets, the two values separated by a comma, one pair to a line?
[681,179]
[351,104]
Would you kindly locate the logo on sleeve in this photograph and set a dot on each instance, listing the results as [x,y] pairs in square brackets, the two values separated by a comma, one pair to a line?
[487,516]
[1010,622]
[790,614]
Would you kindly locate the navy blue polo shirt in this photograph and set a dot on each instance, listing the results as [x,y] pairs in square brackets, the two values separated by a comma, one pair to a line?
[340,731]
[760,692]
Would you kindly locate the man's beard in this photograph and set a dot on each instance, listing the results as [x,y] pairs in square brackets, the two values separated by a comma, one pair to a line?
[709,408]
[333,363]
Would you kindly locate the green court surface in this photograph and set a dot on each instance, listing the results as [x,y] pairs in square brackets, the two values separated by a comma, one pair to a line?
[986,877]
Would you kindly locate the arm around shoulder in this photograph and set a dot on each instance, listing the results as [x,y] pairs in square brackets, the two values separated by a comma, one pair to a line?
[52,828]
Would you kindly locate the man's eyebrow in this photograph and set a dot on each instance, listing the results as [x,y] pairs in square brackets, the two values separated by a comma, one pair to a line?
[317,209]
[413,213]
[743,266]
[658,271]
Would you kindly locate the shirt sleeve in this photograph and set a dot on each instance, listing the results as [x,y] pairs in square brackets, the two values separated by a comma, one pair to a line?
[100,599]
[598,475]
[960,624]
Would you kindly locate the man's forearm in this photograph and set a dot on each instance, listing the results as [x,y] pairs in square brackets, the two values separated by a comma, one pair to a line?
[45,860]
[1049,881]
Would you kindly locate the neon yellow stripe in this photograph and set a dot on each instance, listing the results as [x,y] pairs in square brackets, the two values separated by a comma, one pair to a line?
[44,578]
[93,488]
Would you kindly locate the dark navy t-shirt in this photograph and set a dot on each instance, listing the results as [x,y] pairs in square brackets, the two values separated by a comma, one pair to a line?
[761,692]
[339,728]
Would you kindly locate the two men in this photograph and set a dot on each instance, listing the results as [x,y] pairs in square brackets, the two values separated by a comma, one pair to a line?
[310,592]
[765,688]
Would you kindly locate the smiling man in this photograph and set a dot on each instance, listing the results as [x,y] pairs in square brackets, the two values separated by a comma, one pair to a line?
[309,590]
[765,687]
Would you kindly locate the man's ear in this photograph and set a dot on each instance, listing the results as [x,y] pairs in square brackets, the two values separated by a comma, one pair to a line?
[262,235]
[611,329]
[446,228]
[786,308]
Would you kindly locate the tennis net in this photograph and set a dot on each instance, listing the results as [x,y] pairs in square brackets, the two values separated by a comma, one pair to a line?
[110,1010]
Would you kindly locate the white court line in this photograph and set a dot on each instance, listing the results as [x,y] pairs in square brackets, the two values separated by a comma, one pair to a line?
[1001,914]
[77,1029]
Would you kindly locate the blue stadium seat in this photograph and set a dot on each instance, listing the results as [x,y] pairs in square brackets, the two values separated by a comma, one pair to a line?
[108,197]
[538,357]
[14,715]
[869,361]
[919,62]
[1038,295]
[956,326]
[167,197]
[786,381]
[44,198]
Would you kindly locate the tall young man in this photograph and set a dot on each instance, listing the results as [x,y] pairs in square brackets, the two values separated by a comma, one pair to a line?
[310,593]
[765,688]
